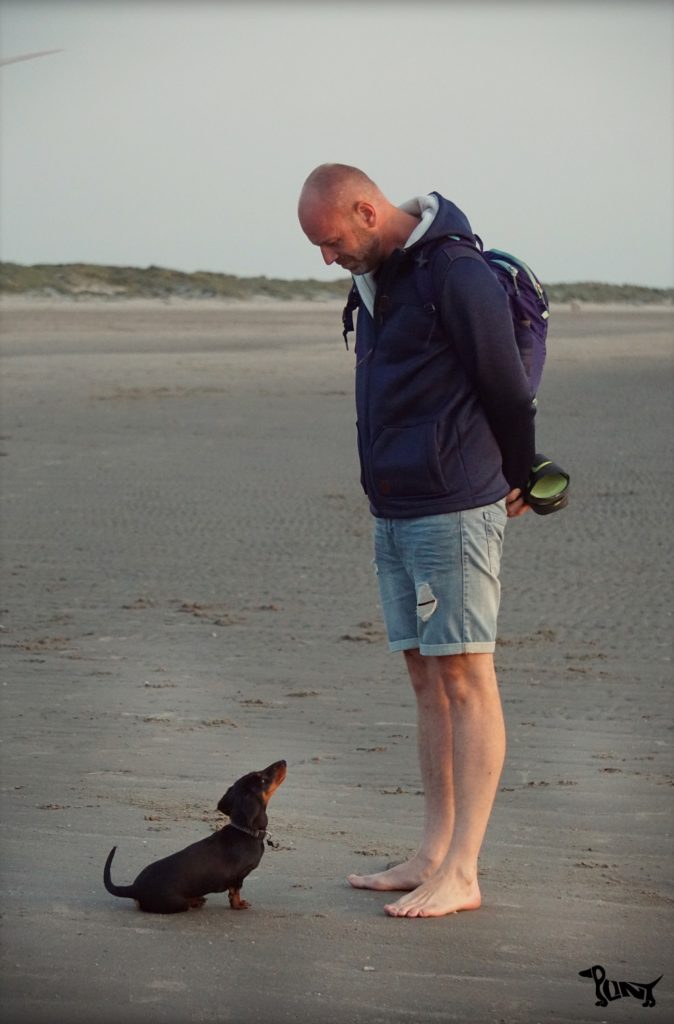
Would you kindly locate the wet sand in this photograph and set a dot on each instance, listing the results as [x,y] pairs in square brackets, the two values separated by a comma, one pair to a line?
[187,595]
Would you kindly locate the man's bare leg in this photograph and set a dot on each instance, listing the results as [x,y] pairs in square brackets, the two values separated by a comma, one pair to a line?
[478,735]
[435,758]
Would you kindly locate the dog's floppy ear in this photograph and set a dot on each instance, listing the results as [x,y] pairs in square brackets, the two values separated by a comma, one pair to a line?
[225,804]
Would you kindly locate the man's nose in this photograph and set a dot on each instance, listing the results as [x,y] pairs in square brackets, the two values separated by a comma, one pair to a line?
[328,254]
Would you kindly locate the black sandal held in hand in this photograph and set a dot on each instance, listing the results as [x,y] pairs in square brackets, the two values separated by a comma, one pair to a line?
[547,489]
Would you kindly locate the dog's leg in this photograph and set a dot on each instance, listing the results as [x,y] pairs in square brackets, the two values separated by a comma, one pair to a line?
[235,901]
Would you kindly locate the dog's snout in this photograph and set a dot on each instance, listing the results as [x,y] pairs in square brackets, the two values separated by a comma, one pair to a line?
[277,770]
[274,776]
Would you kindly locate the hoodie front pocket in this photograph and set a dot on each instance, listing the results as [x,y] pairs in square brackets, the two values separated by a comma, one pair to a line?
[405,462]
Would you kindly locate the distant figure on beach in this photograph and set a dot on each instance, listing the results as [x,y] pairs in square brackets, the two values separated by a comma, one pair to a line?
[446,442]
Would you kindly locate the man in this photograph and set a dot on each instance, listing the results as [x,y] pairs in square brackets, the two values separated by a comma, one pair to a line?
[446,441]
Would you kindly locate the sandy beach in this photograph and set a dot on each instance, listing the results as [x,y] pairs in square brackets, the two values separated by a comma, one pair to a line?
[188,595]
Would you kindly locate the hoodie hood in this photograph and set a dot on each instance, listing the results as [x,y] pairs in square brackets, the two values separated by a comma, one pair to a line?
[438,217]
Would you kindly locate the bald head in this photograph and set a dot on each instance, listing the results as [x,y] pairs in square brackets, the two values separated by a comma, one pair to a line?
[348,217]
[338,186]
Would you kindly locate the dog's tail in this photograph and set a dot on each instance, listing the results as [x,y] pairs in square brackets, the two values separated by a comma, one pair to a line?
[115,890]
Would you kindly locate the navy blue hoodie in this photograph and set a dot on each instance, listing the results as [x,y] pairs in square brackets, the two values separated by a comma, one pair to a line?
[444,407]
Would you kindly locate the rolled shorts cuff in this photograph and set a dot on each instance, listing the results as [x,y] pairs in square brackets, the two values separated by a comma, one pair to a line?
[403,645]
[436,650]
[470,648]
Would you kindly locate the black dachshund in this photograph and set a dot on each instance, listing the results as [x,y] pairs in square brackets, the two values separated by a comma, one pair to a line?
[221,861]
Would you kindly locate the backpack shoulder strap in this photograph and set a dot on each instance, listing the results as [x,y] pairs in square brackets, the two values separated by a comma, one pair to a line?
[426,262]
[352,303]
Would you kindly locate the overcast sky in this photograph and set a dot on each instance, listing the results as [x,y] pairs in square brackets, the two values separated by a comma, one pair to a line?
[179,133]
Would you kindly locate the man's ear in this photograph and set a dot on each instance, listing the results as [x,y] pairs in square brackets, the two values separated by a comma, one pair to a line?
[225,804]
[365,213]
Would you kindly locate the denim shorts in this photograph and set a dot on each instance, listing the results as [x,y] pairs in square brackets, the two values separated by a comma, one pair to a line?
[439,580]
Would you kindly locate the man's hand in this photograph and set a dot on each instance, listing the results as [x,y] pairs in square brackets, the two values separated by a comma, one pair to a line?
[515,503]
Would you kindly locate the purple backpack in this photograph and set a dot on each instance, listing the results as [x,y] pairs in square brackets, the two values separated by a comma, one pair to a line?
[529,305]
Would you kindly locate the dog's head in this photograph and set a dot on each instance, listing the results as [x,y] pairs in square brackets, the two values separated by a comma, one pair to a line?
[251,793]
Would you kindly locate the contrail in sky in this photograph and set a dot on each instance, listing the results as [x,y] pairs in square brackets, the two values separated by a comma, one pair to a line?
[27,56]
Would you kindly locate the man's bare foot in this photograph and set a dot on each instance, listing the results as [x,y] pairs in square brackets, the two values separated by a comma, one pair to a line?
[444,893]
[400,878]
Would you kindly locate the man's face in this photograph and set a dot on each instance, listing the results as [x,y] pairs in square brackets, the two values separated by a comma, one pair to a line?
[349,241]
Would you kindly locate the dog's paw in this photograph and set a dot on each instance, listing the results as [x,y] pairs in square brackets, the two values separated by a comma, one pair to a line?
[235,901]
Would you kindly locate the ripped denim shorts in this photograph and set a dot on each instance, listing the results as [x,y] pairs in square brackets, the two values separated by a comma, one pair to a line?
[439,579]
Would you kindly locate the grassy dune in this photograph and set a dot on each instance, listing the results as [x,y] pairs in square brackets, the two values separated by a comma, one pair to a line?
[88,280]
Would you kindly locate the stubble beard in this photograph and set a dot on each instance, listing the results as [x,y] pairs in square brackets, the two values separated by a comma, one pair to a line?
[367,259]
